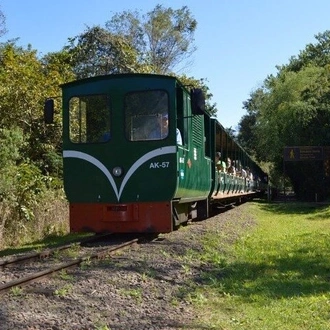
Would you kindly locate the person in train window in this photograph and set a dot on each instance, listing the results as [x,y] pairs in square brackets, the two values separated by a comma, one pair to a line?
[161,130]
[231,169]
[229,165]
[243,173]
[220,164]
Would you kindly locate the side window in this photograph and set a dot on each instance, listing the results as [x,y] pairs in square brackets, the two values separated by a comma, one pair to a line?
[146,115]
[89,119]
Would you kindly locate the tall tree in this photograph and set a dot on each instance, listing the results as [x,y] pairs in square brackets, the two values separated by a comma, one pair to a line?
[163,38]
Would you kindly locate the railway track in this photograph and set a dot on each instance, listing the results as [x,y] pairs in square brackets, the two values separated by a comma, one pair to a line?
[100,253]
[51,251]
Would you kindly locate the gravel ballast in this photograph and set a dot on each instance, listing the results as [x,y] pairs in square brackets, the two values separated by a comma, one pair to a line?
[143,288]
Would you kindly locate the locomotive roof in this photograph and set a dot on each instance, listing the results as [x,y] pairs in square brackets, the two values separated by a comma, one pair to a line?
[119,75]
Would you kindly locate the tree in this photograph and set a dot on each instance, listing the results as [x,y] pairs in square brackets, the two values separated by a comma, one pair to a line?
[11,141]
[21,86]
[58,66]
[25,83]
[247,126]
[97,52]
[292,109]
[295,111]
[162,39]
[317,54]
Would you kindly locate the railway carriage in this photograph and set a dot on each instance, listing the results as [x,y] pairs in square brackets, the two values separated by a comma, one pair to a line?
[139,154]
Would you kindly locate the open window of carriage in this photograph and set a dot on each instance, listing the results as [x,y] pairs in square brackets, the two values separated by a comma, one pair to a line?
[144,113]
[89,119]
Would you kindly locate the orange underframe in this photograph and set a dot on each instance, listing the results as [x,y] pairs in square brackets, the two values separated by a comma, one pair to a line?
[121,218]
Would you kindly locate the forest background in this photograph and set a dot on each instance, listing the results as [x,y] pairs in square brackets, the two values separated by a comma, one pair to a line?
[289,108]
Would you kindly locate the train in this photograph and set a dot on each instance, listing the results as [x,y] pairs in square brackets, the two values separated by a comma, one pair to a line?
[140,155]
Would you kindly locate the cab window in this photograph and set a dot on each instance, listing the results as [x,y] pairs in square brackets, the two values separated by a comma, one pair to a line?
[89,119]
[146,115]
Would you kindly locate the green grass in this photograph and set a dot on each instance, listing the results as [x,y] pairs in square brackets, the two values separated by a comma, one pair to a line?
[276,276]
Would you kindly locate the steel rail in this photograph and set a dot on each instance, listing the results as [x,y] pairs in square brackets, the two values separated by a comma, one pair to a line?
[48,252]
[34,277]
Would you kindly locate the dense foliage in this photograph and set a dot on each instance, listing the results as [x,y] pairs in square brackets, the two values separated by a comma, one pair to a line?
[30,155]
[293,109]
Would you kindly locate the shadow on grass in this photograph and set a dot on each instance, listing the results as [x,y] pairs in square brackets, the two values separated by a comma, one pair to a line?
[279,278]
[315,210]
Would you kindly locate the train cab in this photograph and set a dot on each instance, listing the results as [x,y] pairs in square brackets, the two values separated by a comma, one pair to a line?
[134,156]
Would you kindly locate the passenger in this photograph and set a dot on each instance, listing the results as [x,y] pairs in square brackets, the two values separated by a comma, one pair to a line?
[220,164]
[236,168]
[229,166]
[249,177]
[231,169]
[161,130]
[239,168]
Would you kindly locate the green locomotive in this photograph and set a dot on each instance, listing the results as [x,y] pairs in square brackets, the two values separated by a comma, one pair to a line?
[139,154]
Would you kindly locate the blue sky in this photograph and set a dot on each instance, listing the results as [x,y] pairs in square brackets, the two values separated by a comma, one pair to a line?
[239,42]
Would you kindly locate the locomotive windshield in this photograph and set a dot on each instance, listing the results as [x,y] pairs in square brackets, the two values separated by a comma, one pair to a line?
[89,119]
[146,115]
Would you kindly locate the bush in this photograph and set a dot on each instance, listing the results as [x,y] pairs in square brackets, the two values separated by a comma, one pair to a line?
[31,204]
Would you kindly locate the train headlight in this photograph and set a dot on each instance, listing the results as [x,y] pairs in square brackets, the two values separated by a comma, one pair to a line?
[117,171]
